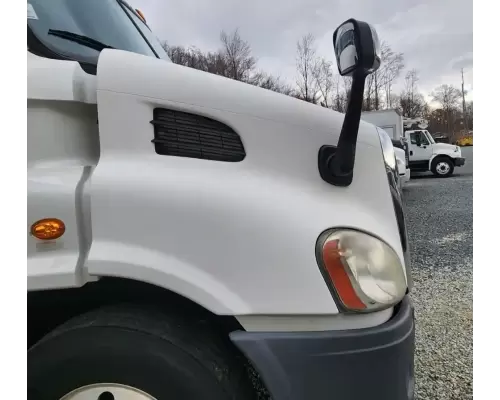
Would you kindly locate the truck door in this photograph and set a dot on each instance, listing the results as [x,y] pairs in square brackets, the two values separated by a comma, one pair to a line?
[420,150]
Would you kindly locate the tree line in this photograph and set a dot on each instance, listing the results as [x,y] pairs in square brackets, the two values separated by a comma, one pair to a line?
[318,81]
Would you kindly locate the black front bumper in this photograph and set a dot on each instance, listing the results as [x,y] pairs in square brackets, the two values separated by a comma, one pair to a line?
[460,161]
[370,363]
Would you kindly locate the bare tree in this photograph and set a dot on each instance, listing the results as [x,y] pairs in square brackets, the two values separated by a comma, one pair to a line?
[464,107]
[238,55]
[411,102]
[270,82]
[392,65]
[382,80]
[369,92]
[323,76]
[338,94]
[306,64]
[469,112]
[213,62]
[448,97]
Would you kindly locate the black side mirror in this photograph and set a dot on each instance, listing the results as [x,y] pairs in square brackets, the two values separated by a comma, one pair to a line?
[357,50]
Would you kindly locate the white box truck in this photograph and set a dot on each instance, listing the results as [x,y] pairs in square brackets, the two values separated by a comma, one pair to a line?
[194,237]
[391,122]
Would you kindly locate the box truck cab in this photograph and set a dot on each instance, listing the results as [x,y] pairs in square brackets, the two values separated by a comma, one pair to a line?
[427,155]
[194,237]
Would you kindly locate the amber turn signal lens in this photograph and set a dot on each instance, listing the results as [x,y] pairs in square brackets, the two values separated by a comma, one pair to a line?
[332,256]
[141,15]
[48,229]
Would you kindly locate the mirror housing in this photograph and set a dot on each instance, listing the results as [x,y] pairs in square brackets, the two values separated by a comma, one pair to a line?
[357,50]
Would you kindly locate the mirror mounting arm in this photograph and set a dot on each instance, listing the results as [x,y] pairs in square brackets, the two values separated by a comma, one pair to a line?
[341,163]
[357,51]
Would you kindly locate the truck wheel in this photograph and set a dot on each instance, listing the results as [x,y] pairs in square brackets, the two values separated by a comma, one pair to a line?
[135,353]
[442,167]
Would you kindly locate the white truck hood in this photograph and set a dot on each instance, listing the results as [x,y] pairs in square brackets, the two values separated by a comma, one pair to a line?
[274,196]
[130,73]
[445,148]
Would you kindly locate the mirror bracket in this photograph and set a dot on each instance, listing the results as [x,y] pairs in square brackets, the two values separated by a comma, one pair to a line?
[336,166]
[336,163]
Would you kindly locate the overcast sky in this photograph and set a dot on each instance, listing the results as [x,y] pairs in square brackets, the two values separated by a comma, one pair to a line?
[434,35]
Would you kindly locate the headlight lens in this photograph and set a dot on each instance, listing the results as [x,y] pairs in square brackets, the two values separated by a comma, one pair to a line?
[364,272]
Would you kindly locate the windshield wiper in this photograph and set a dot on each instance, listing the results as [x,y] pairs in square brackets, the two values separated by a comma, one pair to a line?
[80,39]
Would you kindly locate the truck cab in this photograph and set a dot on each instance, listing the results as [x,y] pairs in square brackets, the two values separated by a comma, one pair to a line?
[194,237]
[427,155]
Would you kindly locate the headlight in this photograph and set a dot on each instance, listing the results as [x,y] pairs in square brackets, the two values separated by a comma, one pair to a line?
[363,272]
[457,149]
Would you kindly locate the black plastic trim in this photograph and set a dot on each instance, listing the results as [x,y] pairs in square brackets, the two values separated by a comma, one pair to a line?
[398,144]
[359,364]
[459,161]
[421,165]
[325,158]
[181,134]
[37,47]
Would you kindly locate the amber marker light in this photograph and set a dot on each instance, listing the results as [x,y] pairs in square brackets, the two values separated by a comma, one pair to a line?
[48,229]
[332,257]
[141,15]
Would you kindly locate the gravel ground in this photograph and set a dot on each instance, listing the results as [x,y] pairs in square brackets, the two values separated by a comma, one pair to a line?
[439,215]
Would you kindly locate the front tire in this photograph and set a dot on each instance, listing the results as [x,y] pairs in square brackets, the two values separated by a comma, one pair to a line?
[141,354]
[442,167]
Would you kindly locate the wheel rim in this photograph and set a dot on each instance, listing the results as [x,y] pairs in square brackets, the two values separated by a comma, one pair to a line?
[442,168]
[107,391]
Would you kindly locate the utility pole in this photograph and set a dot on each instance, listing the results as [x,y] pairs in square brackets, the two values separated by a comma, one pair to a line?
[464,109]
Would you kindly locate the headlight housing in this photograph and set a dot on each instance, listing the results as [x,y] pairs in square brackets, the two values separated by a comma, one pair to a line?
[363,272]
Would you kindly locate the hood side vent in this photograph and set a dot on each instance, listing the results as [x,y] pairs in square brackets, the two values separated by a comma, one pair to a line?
[182,134]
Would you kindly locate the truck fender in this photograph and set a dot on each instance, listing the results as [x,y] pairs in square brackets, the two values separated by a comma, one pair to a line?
[121,260]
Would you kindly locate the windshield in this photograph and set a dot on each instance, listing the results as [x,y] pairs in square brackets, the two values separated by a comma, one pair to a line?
[429,136]
[111,22]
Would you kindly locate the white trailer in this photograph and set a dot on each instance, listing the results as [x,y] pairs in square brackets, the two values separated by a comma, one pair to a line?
[390,121]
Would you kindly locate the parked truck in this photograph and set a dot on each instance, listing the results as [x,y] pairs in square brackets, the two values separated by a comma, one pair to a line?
[423,153]
[194,237]
[427,155]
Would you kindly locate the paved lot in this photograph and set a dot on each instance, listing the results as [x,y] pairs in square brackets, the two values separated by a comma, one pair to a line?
[439,213]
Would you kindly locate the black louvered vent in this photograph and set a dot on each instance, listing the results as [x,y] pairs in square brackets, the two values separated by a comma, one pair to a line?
[189,135]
